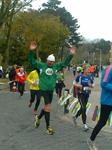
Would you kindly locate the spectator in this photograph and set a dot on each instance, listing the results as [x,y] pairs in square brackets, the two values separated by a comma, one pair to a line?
[1,71]
[12,76]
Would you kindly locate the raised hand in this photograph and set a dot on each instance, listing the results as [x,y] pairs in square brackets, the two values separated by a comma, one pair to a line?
[72,50]
[33,45]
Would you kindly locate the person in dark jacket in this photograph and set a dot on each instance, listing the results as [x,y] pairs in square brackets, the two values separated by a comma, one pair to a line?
[12,76]
[60,83]
[1,72]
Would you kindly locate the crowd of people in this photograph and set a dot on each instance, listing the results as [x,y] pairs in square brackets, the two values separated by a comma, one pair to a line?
[94,69]
[44,78]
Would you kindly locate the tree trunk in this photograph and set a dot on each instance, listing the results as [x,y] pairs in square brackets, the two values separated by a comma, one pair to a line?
[9,26]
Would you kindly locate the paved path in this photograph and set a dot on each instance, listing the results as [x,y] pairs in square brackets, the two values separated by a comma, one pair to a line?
[17,131]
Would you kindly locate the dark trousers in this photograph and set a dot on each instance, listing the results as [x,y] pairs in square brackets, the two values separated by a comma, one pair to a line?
[35,93]
[21,88]
[11,86]
[59,87]
[104,115]
[83,99]
[58,91]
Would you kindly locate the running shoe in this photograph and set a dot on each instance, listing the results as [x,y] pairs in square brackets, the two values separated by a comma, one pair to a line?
[85,127]
[37,121]
[50,131]
[91,145]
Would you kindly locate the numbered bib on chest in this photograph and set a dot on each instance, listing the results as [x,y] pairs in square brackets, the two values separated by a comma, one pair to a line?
[49,71]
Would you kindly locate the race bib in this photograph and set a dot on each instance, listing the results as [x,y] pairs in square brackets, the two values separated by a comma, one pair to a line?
[49,71]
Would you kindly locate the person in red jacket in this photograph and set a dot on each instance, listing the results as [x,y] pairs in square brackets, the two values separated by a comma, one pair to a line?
[21,78]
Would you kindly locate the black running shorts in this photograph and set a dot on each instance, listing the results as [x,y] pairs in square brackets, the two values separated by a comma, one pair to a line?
[48,96]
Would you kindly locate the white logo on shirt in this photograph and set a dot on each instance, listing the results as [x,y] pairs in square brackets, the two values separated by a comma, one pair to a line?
[49,71]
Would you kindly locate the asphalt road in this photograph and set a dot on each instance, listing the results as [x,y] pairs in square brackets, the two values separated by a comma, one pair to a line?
[17,130]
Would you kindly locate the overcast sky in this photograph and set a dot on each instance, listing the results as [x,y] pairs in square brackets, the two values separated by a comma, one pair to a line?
[94,16]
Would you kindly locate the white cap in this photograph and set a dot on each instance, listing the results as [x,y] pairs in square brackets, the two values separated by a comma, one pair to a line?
[51,58]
